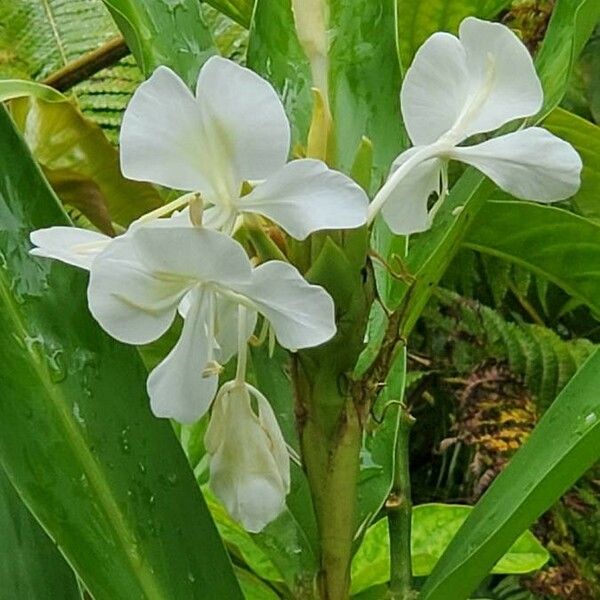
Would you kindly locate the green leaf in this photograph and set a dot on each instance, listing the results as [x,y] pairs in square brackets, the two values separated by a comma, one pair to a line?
[107,480]
[165,32]
[362,73]
[377,454]
[364,83]
[19,88]
[570,26]
[433,527]
[562,447]
[271,51]
[254,588]
[418,20]
[80,163]
[585,138]
[32,567]
[238,10]
[546,240]
[238,539]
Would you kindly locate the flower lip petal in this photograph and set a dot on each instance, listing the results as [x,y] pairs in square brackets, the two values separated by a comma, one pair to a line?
[435,88]
[531,164]
[243,115]
[306,196]
[128,302]
[162,135]
[457,87]
[192,253]
[499,61]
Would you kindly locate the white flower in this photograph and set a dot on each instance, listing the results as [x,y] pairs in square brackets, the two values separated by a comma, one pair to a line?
[249,466]
[140,280]
[458,87]
[234,130]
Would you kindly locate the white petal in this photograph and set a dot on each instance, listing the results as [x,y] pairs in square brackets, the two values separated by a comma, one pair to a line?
[502,71]
[306,196]
[162,135]
[191,253]
[302,315]
[244,473]
[71,245]
[130,303]
[176,387]
[245,115]
[405,210]
[435,88]
[268,422]
[531,164]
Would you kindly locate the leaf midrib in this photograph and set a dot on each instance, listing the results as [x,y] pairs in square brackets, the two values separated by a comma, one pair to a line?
[90,467]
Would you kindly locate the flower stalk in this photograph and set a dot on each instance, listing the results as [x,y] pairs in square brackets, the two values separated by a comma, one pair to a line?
[399,511]
[331,462]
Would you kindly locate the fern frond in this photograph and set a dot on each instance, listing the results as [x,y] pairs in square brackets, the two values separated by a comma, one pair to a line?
[472,333]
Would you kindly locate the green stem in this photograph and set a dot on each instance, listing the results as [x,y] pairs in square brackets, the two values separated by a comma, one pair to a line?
[331,460]
[399,509]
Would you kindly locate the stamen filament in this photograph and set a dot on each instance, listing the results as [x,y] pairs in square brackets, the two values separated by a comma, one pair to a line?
[161,211]
[242,357]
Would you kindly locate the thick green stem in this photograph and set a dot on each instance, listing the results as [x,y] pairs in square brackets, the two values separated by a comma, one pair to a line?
[399,509]
[331,462]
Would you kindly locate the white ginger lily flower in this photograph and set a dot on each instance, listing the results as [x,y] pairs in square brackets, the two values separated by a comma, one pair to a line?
[249,465]
[460,86]
[140,281]
[234,130]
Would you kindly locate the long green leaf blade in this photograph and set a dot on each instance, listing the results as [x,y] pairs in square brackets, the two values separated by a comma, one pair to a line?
[31,566]
[107,480]
[165,33]
[546,240]
[563,446]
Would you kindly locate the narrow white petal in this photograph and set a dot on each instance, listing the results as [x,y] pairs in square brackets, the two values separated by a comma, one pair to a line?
[504,84]
[191,253]
[435,88]
[71,245]
[162,135]
[531,164]
[405,210]
[306,196]
[302,315]
[177,388]
[126,299]
[244,471]
[244,112]
[268,421]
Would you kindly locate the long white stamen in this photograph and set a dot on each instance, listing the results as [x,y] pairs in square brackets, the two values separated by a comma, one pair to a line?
[167,208]
[242,357]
